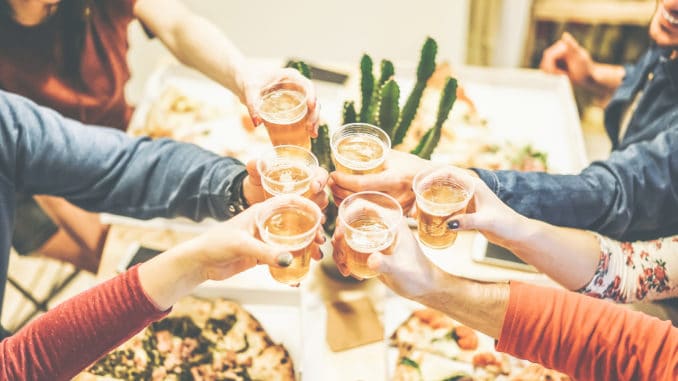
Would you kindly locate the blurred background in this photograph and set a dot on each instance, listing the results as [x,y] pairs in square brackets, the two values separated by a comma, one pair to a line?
[497,33]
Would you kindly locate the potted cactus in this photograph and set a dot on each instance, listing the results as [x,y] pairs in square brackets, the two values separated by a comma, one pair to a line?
[380,104]
[380,100]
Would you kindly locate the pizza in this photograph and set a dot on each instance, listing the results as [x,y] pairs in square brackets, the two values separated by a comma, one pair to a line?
[200,340]
[432,346]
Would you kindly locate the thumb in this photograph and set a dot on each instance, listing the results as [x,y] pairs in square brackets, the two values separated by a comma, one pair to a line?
[465,222]
[378,262]
[265,253]
[253,172]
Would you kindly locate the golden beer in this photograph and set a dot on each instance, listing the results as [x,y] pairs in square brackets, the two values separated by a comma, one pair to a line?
[359,154]
[287,180]
[287,169]
[359,148]
[441,192]
[443,203]
[370,222]
[289,223]
[284,113]
[366,237]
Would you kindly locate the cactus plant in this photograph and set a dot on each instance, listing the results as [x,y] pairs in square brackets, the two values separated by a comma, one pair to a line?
[387,71]
[432,137]
[320,147]
[425,70]
[349,114]
[389,109]
[380,103]
[301,67]
[366,87]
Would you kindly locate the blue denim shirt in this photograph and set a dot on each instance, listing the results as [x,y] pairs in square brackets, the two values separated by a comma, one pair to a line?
[104,170]
[634,193]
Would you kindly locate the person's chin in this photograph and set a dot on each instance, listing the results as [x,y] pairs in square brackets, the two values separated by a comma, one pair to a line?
[663,38]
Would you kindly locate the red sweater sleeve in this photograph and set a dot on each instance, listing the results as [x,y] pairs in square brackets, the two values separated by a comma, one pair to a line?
[587,338]
[62,342]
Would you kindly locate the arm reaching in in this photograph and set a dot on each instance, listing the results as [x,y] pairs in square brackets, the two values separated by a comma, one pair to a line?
[568,58]
[604,341]
[200,44]
[68,338]
[104,170]
[577,259]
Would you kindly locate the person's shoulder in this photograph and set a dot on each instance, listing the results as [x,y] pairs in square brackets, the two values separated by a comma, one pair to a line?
[121,10]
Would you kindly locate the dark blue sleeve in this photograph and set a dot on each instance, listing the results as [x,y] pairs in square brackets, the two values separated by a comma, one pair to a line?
[630,195]
[104,170]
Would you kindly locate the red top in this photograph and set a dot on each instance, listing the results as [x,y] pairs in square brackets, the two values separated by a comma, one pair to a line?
[64,341]
[587,338]
[28,65]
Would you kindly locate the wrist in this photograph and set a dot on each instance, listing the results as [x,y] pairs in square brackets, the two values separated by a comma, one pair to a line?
[241,80]
[248,193]
[435,285]
[607,77]
[170,276]
[525,230]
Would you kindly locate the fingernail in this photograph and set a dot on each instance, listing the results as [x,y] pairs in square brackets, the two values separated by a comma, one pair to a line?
[454,224]
[322,253]
[285,259]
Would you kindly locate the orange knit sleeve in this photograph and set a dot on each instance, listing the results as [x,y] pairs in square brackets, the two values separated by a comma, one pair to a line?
[587,338]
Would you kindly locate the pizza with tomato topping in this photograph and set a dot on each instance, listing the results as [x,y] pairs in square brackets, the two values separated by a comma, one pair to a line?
[433,347]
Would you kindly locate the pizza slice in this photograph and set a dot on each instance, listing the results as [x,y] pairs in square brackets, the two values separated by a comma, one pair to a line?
[432,347]
[432,331]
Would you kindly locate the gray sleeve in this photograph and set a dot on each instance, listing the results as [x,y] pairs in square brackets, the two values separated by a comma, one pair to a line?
[104,170]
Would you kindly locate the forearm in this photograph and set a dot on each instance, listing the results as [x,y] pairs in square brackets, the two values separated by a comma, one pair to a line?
[181,273]
[479,305]
[563,200]
[568,256]
[541,322]
[68,338]
[194,41]
[607,78]
[105,170]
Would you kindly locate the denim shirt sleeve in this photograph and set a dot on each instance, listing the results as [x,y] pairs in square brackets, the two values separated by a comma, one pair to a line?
[627,195]
[102,169]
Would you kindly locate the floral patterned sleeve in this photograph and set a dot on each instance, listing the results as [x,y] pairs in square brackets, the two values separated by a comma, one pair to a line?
[630,272]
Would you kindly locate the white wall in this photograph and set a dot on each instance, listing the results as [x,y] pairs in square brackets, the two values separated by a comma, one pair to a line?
[510,44]
[324,30]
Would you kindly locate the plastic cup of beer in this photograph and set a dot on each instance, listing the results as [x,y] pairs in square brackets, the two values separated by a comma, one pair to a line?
[359,148]
[441,193]
[287,169]
[283,108]
[290,222]
[370,223]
